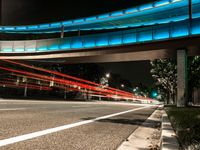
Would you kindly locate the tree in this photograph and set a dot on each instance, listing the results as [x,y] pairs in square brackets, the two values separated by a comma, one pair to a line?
[193,75]
[194,71]
[164,71]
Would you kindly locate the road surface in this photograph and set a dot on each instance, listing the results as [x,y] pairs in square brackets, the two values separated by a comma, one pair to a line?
[54,125]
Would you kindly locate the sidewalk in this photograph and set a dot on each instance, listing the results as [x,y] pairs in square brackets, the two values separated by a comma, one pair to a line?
[147,136]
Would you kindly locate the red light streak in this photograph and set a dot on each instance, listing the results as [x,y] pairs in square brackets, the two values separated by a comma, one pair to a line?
[67,76]
[62,81]
[94,88]
[29,86]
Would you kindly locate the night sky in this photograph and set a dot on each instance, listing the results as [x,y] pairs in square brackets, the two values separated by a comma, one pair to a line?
[41,11]
[18,12]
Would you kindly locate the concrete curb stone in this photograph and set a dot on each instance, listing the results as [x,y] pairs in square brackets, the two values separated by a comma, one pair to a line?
[141,137]
[168,137]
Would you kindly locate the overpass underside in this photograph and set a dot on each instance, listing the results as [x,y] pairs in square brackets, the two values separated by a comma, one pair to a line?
[131,52]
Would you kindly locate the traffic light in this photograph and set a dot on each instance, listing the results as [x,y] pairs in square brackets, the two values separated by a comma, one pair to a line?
[154,94]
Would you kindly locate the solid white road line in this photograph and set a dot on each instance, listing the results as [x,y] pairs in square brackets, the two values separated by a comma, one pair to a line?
[78,102]
[80,106]
[60,128]
[10,109]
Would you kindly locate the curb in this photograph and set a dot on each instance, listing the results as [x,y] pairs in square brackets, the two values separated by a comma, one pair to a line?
[139,139]
[168,137]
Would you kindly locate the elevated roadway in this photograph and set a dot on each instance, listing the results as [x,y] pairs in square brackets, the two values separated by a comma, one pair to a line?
[147,43]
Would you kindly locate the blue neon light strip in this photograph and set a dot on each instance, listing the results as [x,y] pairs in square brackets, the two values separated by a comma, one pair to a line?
[146,34]
[159,12]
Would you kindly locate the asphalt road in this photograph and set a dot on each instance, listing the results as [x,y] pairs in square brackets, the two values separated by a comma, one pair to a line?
[41,118]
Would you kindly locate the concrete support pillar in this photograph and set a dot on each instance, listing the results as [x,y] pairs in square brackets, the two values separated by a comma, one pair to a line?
[182,79]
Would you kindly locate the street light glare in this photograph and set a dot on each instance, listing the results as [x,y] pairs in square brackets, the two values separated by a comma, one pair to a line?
[107,75]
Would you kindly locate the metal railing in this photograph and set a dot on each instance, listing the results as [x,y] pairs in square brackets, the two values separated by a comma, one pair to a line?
[139,35]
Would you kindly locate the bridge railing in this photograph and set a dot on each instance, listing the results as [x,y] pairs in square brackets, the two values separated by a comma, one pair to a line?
[158,12]
[139,35]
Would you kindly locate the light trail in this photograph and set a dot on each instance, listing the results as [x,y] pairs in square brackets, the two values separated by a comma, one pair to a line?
[92,87]
[62,81]
[61,87]
[13,85]
[63,75]
[40,87]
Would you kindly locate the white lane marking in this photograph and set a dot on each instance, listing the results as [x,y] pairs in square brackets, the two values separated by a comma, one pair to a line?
[60,128]
[8,109]
[78,102]
[80,106]
[12,109]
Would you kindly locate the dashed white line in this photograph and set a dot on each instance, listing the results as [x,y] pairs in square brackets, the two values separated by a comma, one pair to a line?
[60,128]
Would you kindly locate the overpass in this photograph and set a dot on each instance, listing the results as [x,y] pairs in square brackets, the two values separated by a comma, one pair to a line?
[161,29]
[173,31]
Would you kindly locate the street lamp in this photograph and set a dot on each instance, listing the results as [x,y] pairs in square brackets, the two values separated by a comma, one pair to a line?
[122,85]
[107,75]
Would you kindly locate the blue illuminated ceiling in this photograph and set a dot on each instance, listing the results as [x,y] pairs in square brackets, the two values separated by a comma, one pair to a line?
[159,12]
